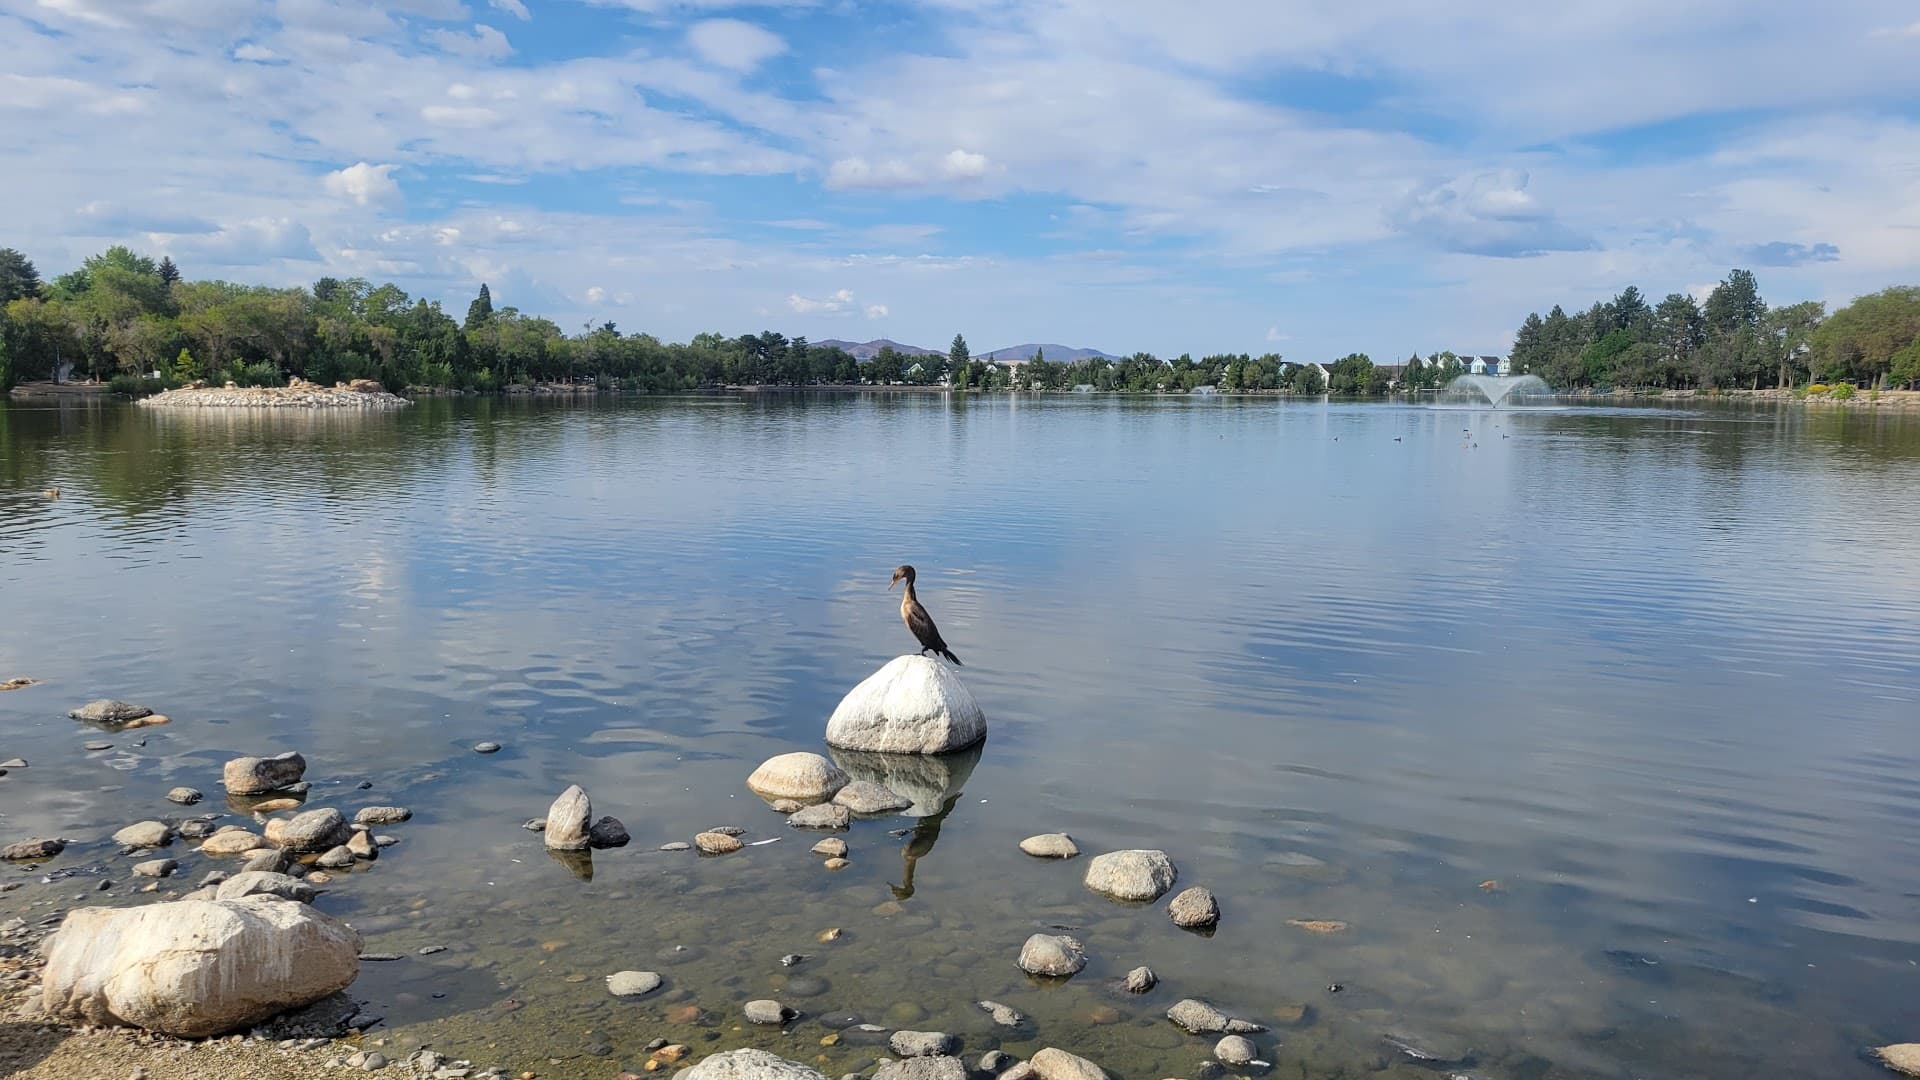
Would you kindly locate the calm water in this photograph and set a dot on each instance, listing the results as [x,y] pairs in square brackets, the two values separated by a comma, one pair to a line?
[1655,672]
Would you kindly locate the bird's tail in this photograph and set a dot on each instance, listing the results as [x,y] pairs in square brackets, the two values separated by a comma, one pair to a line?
[948,653]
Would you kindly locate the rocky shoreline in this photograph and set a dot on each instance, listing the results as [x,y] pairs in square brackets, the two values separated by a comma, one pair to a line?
[297,394]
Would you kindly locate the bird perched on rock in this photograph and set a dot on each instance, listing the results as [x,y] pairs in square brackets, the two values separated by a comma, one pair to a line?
[914,614]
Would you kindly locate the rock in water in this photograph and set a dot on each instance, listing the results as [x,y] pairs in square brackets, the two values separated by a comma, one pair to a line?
[1054,845]
[257,776]
[1004,1015]
[156,868]
[1903,1058]
[913,705]
[33,849]
[821,816]
[337,858]
[806,777]
[107,711]
[1140,980]
[567,821]
[231,842]
[913,1044]
[832,848]
[1131,875]
[1200,1018]
[608,833]
[185,796]
[362,846]
[714,843]
[750,1065]
[768,1012]
[632,983]
[867,797]
[263,883]
[314,830]
[1055,955]
[923,1068]
[145,834]
[382,815]
[193,968]
[1235,1050]
[1054,1064]
[1195,909]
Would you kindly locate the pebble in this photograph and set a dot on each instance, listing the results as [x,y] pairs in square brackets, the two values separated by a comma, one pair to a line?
[1140,980]
[632,983]
[535,825]
[607,833]
[1235,1050]
[378,957]
[185,796]
[1050,846]
[714,843]
[429,950]
[96,746]
[1195,909]
[832,847]
[677,845]
[1200,1018]
[768,1012]
[831,933]
[836,864]
[14,763]
[486,748]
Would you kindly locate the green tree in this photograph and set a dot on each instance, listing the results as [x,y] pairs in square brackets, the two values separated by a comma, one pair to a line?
[481,309]
[18,279]
[1789,335]
[957,353]
[1302,379]
[1355,373]
[168,273]
[1859,342]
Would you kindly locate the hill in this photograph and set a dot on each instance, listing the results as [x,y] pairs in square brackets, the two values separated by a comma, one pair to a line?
[867,350]
[1058,354]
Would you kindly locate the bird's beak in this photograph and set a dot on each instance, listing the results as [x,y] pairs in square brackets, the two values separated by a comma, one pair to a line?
[892,583]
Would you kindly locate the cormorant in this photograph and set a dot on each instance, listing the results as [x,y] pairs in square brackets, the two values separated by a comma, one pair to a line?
[917,620]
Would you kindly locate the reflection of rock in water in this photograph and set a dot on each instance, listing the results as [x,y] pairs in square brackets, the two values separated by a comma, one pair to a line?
[578,863]
[929,780]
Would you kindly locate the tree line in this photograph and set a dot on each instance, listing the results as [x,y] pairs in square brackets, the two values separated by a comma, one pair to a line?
[125,317]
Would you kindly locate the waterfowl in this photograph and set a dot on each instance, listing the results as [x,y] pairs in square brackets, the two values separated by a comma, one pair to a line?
[914,614]
[52,493]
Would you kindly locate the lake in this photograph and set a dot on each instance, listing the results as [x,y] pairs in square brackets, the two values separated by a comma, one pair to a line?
[1594,725]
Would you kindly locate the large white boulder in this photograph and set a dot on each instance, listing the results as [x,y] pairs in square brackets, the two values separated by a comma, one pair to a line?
[750,1065]
[913,705]
[193,968]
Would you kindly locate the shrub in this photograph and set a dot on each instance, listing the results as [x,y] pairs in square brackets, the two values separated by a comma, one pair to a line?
[1873,394]
[1841,392]
[1817,388]
[139,386]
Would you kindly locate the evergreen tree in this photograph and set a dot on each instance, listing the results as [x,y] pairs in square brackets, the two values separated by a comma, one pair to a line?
[481,309]
[957,354]
[18,279]
[169,273]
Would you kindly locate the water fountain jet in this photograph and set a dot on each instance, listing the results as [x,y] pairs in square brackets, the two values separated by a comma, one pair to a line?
[1498,388]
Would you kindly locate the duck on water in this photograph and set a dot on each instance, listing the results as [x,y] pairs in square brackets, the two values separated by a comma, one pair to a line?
[914,614]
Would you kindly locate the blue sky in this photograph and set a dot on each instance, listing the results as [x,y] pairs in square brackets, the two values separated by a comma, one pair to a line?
[1304,176]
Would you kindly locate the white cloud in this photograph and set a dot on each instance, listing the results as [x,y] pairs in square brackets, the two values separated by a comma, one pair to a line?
[512,7]
[733,44]
[252,52]
[963,165]
[1274,336]
[830,305]
[484,42]
[858,172]
[876,311]
[596,295]
[459,116]
[1484,214]
[363,184]
[51,92]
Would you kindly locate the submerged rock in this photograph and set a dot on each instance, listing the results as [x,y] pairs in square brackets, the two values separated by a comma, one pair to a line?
[821,816]
[1200,1018]
[313,830]
[923,1068]
[1056,845]
[802,776]
[1054,955]
[1054,1064]
[913,705]
[257,776]
[1140,980]
[932,781]
[567,820]
[1131,875]
[382,815]
[867,797]
[108,711]
[185,796]
[1195,909]
[1004,1015]
[193,968]
[750,1065]
[156,868]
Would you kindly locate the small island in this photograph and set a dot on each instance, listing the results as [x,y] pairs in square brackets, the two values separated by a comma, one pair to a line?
[297,394]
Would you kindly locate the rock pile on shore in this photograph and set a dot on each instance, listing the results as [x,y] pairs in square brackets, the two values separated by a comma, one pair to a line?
[297,394]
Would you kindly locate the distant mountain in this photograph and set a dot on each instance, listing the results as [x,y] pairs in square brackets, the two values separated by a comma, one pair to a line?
[867,350]
[1054,353]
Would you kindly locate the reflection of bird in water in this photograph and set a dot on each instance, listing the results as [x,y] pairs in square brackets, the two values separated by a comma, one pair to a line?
[914,614]
[925,833]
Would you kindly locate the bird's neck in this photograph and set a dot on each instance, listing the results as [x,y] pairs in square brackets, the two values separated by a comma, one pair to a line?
[910,597]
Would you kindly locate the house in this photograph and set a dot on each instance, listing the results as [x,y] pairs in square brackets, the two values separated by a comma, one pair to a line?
[914,372]
[1483,365]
